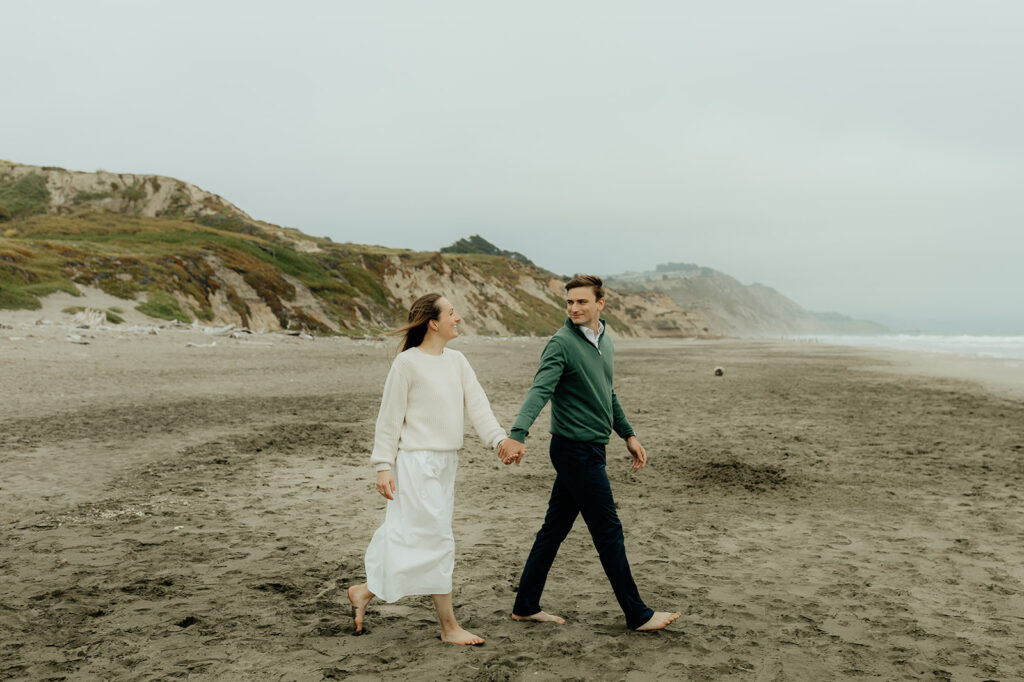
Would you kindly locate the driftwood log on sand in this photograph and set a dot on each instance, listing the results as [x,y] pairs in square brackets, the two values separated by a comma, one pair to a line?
[90,318]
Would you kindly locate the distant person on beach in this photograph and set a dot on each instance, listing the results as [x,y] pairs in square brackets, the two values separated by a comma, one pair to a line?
[575,374]
[428,394]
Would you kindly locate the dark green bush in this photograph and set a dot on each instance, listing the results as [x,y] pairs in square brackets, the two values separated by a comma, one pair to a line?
[117,287]
[136,192]
[228,223]
[477,244]
[25,196]
[164,306]
[84,197]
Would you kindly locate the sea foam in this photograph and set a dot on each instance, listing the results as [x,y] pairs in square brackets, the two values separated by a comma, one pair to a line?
[962,344]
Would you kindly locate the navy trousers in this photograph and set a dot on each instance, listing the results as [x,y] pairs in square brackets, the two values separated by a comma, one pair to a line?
[581,487]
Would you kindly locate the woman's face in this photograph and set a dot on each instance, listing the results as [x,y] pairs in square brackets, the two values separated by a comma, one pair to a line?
[447,321]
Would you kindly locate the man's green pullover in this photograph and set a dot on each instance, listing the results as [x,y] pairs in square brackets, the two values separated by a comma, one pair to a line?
[576,377]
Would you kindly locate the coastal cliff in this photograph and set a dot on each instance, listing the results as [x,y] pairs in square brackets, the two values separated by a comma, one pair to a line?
[176,252]
[735,309]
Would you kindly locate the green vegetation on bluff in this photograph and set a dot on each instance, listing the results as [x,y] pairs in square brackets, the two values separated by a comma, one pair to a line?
[162,305]
[24,196]
[135,257]
[202,258]
[28,272]
[127,255]
[477,244]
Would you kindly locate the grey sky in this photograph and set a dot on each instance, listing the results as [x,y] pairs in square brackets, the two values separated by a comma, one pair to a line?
[862,157]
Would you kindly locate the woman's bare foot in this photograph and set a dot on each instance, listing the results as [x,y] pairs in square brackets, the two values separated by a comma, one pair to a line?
[540,617]
[658,621]
[462,637]
[360,596]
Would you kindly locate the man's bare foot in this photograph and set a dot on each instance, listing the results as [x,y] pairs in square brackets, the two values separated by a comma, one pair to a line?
[360,596]
[462,637]
[541,617]
[658,621]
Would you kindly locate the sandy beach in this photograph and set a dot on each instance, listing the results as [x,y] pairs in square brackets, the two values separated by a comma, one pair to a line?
[196,511]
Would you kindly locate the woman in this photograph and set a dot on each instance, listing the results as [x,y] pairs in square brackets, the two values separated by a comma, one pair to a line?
[429,392]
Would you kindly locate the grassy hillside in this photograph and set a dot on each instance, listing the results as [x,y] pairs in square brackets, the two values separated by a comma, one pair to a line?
[175,251]
[128,255]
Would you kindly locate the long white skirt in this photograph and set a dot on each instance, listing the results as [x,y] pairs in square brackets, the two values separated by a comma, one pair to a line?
[413,552]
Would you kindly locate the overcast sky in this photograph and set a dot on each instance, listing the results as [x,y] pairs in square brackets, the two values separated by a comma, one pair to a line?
[863,157]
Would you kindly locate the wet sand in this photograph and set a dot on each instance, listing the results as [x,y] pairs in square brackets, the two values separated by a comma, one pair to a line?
[816,513]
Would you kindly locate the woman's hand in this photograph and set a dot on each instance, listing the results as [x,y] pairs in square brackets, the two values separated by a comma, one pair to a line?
[510,451]
[386,484]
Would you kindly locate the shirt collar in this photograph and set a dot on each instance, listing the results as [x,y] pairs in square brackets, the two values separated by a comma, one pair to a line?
[589,333]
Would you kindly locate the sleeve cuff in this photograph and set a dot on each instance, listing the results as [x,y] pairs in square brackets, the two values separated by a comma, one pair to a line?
[383,466]
[519,435]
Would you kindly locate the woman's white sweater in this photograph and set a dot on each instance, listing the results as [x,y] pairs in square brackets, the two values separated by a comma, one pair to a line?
[425,404]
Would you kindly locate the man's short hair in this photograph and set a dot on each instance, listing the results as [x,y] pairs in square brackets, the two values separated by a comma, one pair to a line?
[592,281]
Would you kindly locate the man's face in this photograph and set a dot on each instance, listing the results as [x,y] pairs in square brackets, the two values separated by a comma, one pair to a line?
[583,307]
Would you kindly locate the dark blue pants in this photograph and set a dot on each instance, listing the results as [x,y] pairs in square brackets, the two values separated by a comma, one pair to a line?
[581,487]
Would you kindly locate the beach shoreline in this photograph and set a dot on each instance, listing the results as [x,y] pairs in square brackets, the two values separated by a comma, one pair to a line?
[184,503]
[999,374]
[1003,376]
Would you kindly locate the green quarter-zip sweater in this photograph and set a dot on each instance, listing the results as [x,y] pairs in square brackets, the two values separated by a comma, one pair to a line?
[576,377]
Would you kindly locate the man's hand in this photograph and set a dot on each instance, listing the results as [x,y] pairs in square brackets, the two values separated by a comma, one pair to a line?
[386,484]
[510,450]
[638,452]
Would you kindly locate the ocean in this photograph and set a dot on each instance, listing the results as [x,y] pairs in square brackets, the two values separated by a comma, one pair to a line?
[963,344]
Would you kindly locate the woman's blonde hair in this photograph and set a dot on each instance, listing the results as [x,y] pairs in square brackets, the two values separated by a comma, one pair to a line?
[423,310]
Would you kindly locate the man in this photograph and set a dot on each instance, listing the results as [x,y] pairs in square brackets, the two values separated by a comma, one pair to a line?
[575,374]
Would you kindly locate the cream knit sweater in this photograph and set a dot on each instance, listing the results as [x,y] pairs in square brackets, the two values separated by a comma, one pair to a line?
[425,404]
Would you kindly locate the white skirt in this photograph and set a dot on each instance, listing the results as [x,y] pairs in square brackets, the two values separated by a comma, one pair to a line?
[413,552]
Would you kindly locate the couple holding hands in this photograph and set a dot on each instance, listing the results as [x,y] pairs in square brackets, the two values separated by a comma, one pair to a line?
[429,393]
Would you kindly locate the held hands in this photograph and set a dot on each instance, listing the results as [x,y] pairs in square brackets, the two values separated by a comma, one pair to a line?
[510,450]
[386,484]
[638,452]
